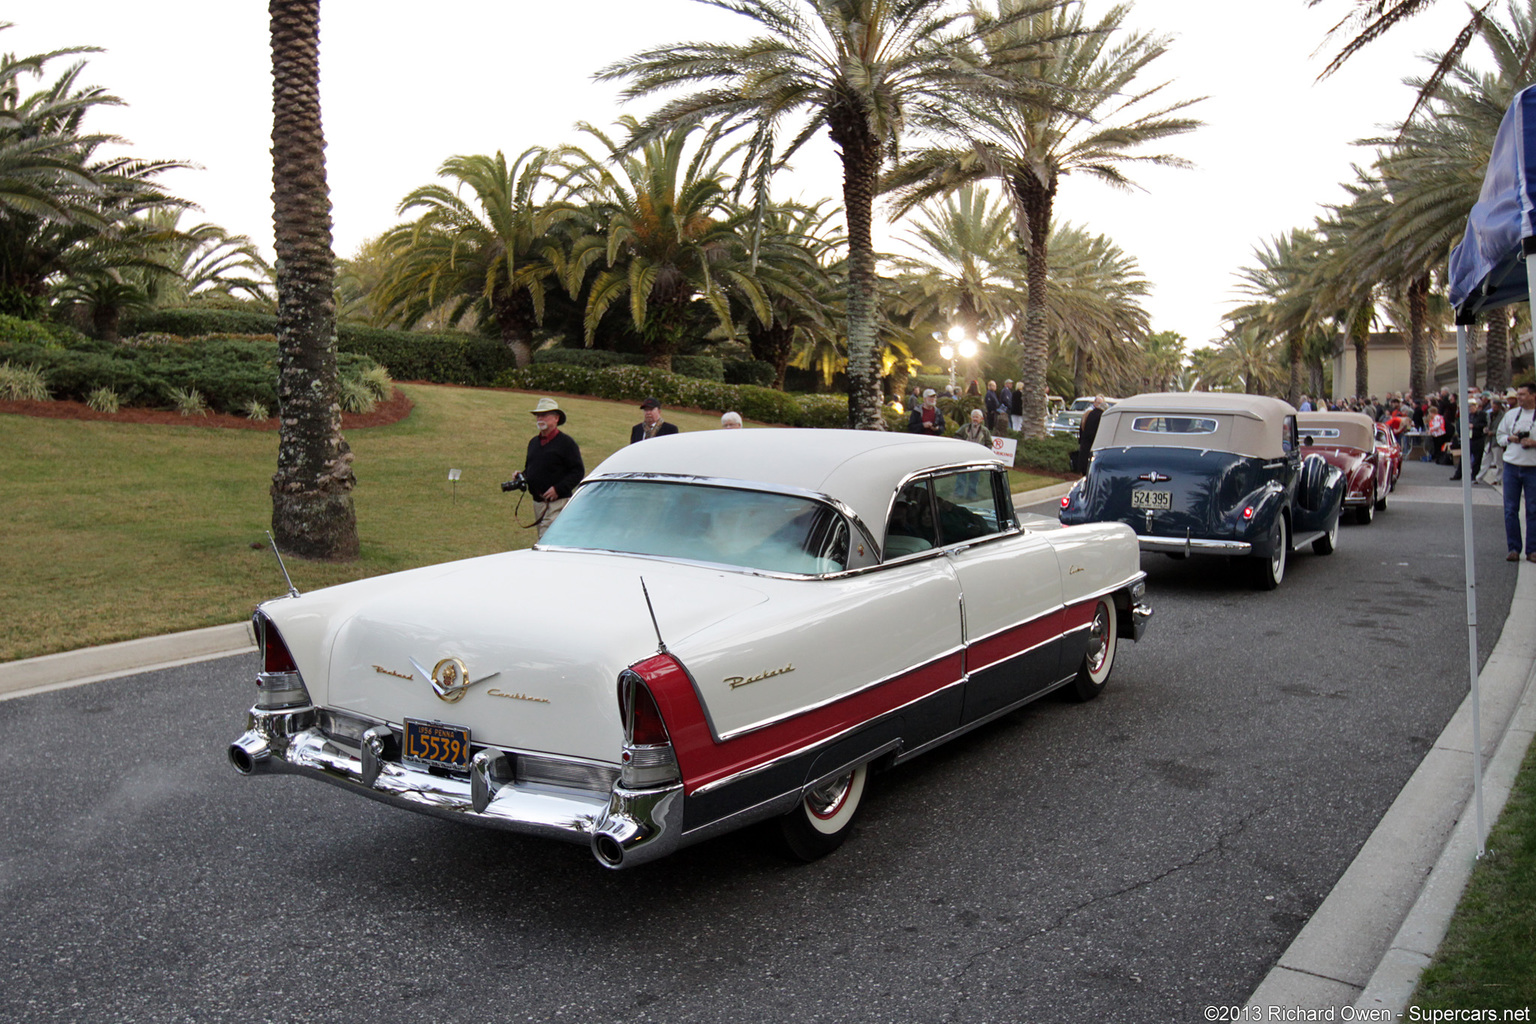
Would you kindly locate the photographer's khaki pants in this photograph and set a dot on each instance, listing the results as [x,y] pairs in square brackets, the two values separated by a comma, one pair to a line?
[547,512]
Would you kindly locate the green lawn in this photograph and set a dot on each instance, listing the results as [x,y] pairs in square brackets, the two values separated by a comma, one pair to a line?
[1488,958]
[116,531]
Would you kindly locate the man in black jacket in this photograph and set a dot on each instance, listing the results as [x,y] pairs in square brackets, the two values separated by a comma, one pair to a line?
[553,467]
[651,423]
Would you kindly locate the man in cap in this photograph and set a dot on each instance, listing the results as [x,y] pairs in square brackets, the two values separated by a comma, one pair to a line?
[927,419]
[553,467]
[651,424]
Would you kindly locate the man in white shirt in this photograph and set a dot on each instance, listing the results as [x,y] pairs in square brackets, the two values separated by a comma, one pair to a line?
[1514,437]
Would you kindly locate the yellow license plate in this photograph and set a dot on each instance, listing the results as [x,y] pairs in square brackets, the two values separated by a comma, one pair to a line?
[1152,499]
[432,743]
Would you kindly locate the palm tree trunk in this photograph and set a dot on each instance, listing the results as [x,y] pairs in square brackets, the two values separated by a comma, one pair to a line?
[312,511]
[1498,351]
[861,172]
[1418,316]
[1034,200]
[1293,388]
[1360,335]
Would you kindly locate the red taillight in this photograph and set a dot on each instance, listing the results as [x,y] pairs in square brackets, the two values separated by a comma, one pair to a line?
[642,719]
[1248,513]
[274,653]
[1066,501]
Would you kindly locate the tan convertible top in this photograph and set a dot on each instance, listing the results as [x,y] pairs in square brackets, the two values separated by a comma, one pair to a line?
[1245,424]
[1356,430]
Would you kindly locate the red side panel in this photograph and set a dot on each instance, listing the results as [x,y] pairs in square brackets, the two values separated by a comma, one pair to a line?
[703,761]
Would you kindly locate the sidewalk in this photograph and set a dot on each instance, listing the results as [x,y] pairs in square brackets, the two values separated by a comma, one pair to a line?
[92,664]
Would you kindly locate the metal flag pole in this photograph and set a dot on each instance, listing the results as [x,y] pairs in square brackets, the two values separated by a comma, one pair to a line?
[1468,549]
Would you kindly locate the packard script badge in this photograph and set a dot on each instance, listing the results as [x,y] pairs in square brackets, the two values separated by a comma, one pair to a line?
[734,681]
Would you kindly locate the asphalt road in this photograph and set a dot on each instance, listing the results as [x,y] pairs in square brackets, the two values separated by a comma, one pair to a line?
[1133,859]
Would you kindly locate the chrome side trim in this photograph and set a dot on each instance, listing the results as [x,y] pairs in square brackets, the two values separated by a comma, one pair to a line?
[907,755]
[1183,545]
[785,715]
[710,787]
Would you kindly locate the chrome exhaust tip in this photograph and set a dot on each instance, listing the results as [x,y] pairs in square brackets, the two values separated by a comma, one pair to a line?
[250,754]
[608,850]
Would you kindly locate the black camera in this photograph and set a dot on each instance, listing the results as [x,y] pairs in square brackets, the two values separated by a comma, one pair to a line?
[517,483]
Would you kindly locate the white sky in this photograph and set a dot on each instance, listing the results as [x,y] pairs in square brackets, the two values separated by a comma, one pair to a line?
[406,85]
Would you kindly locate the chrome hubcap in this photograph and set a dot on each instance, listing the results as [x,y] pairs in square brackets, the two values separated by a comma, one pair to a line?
[825,800]
[1097,633]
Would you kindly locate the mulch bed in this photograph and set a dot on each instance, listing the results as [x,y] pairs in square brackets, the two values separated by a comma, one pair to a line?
[397,408]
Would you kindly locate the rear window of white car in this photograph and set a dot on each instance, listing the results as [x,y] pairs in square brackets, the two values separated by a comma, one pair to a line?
[749,529]
[1173,425]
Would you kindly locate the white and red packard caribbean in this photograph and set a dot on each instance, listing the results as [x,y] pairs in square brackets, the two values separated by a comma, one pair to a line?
[1348,440]
[720,628]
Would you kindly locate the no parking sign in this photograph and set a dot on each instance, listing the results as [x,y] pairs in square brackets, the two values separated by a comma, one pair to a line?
[1006,447]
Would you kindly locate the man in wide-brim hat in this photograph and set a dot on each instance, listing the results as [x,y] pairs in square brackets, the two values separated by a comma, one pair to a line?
[553,467]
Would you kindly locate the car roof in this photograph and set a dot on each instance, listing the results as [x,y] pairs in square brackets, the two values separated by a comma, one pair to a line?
[860,468]
[1355,429]
[1246,424]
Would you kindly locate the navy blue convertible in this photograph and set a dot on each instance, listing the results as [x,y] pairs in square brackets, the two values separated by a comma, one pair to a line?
[1210,474]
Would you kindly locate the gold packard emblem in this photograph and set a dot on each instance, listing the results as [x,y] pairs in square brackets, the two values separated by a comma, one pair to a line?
[734,681]
[449,679]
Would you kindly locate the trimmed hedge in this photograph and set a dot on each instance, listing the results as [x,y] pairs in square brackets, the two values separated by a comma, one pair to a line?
[448,358]
[228,371]
[633,383]
[749,371]
[34,332]
[702,367]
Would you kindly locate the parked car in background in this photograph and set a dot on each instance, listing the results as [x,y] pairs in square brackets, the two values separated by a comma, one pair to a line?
[1389,455]
[1070,419]
[1210,474]
[721,627]
[1348,441]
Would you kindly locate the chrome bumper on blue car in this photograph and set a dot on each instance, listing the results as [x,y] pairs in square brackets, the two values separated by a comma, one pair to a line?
[624,827]
[1194,545]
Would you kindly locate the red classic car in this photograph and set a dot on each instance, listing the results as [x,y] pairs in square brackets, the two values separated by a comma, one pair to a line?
[1389,456]
[1348,440]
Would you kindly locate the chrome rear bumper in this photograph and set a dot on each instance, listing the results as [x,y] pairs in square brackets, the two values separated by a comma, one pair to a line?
[1194,545]
[624,827]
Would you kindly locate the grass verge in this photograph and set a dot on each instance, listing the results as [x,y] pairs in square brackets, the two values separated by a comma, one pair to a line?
[116,531]
[1488,958]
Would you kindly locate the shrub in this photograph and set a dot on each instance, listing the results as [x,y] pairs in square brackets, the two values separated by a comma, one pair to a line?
[702,367]
[14,330]
[377,380]
[104,400]
[190,323]
[749,371]
[441,358]
[633,383]
[1051,454]
[254,410]
[355,396]
[189,401]
[23,384]
[590,357]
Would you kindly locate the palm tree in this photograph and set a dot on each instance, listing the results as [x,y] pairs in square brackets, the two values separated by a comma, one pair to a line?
[1094,316]
[64,209]
[969,273]
[1074,106]
[484,257]
[1246,358]
[1283,307]
[1163,358]
[660,230]
[796,268]
[867,71]
[312,511]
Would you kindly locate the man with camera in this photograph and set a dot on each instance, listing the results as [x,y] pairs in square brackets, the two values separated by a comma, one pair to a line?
[1514,436]
[553,467]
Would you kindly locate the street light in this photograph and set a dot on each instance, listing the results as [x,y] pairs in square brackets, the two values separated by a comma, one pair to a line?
[959,344]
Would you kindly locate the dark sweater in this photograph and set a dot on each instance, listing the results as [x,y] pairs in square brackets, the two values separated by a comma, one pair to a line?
[556,464]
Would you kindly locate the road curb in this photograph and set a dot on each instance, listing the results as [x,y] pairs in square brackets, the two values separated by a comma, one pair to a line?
[1377,930]
[93,664]
[1022,499]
